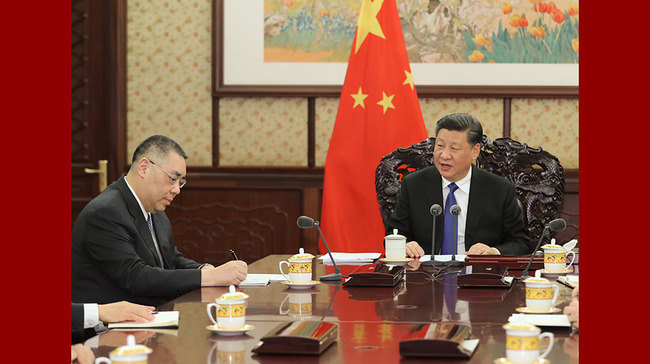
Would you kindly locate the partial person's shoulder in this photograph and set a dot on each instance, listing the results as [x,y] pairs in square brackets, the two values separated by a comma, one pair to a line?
[111,199]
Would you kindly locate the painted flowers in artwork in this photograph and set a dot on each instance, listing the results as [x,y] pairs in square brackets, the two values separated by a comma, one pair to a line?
[551,38]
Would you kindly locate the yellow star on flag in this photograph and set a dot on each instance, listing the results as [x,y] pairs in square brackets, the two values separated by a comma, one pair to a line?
[386,102]
[358,98]
[409,79]
[368,23]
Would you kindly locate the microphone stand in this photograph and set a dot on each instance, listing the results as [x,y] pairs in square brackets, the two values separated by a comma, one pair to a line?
[453,262]
[336,276]
[433,262]
[524,274]
[336,290]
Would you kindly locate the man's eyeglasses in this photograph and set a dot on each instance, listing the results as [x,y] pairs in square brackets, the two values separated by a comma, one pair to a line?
[172,179]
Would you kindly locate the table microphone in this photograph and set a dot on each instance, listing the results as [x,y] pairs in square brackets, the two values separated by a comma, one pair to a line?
[455,210]
[554,225]
[305,222]
[435,210]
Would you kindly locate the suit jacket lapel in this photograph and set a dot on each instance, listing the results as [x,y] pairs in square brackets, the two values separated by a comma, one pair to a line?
[475,206]
[433,195]
[138,219]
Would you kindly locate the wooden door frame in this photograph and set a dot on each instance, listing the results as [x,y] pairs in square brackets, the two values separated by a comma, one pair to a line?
[102,132]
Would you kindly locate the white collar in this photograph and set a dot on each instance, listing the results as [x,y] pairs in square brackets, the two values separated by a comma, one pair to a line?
[144,212]
[463,184]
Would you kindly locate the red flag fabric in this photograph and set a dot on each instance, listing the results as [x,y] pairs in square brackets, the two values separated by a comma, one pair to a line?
[378,112]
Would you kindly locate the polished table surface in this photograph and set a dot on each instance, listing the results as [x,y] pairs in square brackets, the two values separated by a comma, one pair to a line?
[372,320]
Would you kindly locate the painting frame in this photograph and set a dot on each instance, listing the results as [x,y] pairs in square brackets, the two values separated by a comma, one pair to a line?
[231,59]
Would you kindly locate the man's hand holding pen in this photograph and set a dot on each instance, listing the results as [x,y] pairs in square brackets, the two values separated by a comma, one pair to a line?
[232,272]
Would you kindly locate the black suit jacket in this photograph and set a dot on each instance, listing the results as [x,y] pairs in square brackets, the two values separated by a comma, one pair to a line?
[114,257]
[493,214]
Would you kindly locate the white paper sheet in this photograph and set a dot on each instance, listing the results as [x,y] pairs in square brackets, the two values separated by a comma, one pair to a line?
[554,320]
[350,257]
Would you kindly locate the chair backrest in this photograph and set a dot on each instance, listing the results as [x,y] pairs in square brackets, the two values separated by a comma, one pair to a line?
[537,175]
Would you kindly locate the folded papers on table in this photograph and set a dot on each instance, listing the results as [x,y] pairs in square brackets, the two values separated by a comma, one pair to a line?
[342,258]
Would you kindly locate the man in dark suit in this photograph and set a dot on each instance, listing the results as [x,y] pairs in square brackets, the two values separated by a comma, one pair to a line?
[490,221]
[122,243]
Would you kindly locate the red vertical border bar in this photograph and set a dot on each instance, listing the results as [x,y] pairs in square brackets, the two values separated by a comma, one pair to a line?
[36,131]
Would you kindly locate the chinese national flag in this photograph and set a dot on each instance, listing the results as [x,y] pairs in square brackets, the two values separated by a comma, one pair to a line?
[378,112]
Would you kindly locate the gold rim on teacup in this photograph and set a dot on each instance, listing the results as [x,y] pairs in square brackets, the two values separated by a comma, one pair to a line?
[553,247]
[536,280]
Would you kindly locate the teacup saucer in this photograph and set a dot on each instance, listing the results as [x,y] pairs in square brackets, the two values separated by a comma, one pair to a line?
[395,261]
[566,271]
[300,285]
[507,361]
[532,310]
[229,332]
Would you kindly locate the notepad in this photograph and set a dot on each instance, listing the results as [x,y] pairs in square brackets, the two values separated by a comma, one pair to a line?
[255,280]
[569,280]
[166,319]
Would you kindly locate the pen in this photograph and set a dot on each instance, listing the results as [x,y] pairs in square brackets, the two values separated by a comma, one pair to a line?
[234,256]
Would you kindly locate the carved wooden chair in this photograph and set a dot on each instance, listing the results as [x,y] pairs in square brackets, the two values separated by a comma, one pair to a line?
[537,175]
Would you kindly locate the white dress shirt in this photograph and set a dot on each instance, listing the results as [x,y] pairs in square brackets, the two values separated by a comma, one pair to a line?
[91,315]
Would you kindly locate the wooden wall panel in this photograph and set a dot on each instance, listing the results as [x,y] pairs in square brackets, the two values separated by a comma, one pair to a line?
[252,222]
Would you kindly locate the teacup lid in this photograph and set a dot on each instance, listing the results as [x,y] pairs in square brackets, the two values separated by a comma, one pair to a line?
[231,295]
[552,246]
[395,235]
[522,326]
[536,280]
[302,255]
[131,348]
[519,322]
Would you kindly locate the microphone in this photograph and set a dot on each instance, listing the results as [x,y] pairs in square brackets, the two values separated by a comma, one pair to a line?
[557,225]
[435,210]
[305,222]
[455,211]
[554,225]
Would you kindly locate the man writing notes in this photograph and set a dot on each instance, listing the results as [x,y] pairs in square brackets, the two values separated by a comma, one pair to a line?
[122,243]
[490,221]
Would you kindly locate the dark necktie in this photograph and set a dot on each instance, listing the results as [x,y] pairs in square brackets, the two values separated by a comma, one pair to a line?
[451,287]
[449,222]
[155,242]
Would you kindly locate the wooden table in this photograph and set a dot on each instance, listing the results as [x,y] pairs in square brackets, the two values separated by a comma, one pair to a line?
[371,320]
